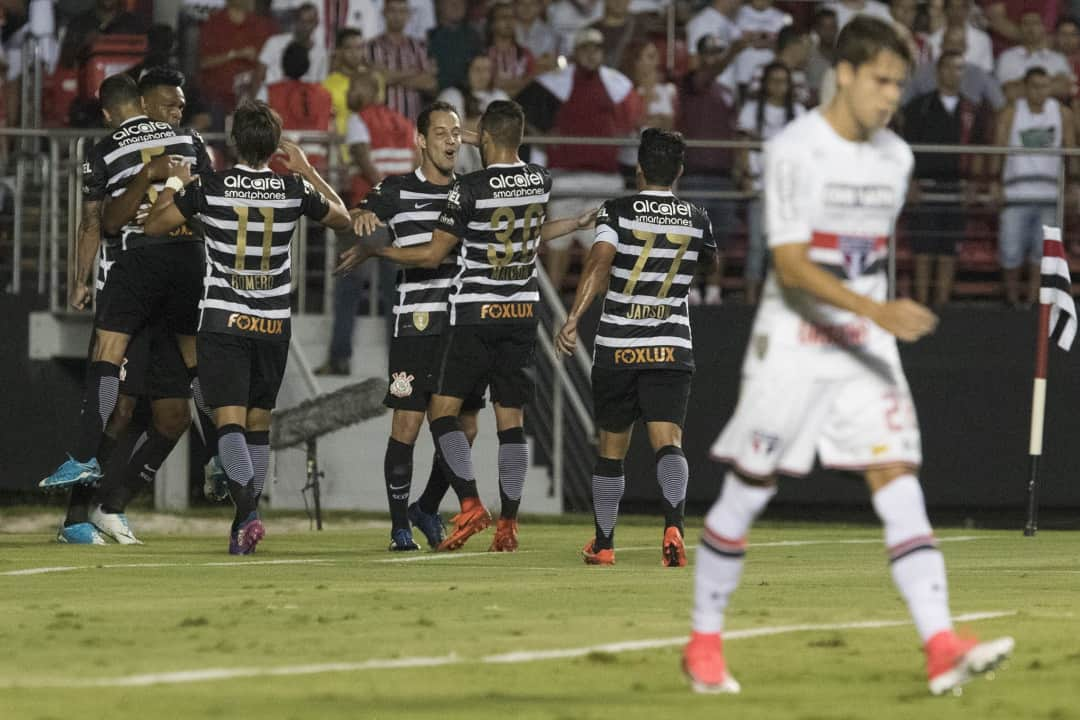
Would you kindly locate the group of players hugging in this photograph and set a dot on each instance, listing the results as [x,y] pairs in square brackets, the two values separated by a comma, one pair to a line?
[193,301]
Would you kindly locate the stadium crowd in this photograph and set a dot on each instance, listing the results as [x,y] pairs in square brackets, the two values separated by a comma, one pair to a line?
[736,69]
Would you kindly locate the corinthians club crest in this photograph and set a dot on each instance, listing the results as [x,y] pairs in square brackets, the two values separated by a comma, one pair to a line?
[402,384]
[420,320]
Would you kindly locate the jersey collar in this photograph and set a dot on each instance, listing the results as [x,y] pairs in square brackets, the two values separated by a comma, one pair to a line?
[137,118]
[657,193]
[520,163]
[245,168]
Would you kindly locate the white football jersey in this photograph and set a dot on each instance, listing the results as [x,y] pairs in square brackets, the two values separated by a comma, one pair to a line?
[842,198]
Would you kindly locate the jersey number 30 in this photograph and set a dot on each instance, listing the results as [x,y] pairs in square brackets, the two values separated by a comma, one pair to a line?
[503,223]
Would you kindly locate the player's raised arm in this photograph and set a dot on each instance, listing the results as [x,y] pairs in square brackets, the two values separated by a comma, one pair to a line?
[337,217]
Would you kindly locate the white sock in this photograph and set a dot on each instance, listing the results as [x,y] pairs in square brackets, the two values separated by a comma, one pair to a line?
[918,568]
[719,560]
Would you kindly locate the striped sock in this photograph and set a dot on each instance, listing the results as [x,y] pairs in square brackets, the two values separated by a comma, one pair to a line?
[236,459]
[455,455]
[513,463]
[99,401]
[918,567]
[673,474]
[608,484]
[258,442]
[719,564]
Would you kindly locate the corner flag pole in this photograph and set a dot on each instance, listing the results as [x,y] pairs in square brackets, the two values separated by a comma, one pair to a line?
[1038,413]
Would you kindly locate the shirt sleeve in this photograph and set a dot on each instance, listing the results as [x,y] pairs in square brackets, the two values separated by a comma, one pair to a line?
[708,240]
[192,201]
[788,193]
[95,178]
[313,204]
[203,163]
[1009,68]
[606,225]
[459,207]
[747,118]
[357,131]
[381,200]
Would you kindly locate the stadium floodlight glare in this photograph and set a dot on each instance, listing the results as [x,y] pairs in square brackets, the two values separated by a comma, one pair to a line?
[327,413]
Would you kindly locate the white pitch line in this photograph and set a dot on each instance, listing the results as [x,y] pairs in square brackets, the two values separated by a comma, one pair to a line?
[523,656]
[446,556]
[232,563]
[802,543]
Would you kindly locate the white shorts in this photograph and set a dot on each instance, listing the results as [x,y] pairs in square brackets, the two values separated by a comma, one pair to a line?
[784,418]
[573,193]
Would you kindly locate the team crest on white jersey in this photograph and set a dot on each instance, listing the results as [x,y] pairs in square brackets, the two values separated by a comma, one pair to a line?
[402,384]
[764,443]
[856,251]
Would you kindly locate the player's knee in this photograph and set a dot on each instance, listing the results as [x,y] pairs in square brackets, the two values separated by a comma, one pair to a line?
[469,426]
[877,478]
[172,417]
[405,427]
[121,416]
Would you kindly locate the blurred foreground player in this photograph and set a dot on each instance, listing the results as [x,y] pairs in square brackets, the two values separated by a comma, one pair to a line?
[822,373]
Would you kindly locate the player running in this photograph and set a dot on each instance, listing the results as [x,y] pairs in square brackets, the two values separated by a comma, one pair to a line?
[496,217]
[822,373]
[647,249]
[410,205]
[250,214]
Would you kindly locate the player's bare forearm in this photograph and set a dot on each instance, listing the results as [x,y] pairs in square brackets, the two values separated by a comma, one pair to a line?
[428,255]
[337,218]
[795,270]
[594,278]
[121,210]
[88,241]
[164,216]
[553,229]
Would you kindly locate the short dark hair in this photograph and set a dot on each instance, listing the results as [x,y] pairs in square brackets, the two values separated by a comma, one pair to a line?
[118,90]
[504,120]
[661,155]
[423,121]
[948,55]
[160,76]
[295,61]
[864,37]
[1067,20]
[256,131]
[1037,71]
[824,12]
[344,34]
[789,35]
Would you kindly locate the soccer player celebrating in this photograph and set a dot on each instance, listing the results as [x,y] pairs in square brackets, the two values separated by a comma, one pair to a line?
[647,248]
[410,205]
[249,214]
[497,215]
[822,373]
[149,291]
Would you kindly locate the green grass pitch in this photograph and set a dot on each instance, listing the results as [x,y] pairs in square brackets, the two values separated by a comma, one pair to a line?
[331,629]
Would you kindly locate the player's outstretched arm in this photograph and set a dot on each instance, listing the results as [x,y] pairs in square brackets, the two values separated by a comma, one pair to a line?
[365,222]
[87,241]
[553,229]
[121,210]
[428,255]
[594,280]
[906,319]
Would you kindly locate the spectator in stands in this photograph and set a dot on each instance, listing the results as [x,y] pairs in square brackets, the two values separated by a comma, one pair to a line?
[1067,42]
[470,101]
[1029,183]
[659,96]
[229,45]
[847,9]
[707,111]
[823,48]
[454,43]
[514,65]
[107,17]
[620,29]
[1005,18]
[403,62]
[569,16]
[759,23]
[941,117]
[716,19]
[367,17]
[904,14]
[980,49]
[349,60]
[793,52]
[1013,64]
[761,118]
[977,85]
[586,99]
[304,33]
[535,34]
[160,51]
[302,105]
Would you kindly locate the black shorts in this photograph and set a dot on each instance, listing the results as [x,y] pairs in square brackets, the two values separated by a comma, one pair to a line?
[236,371]
[158,283]
[936,229]
[622,396]
[152,366]
[412,359]
[472,357]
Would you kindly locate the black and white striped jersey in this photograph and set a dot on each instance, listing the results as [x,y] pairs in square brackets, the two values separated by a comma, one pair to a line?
[116,159]
[106,258]
[497,213]
[658,240]
[249,218]
[410,206]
